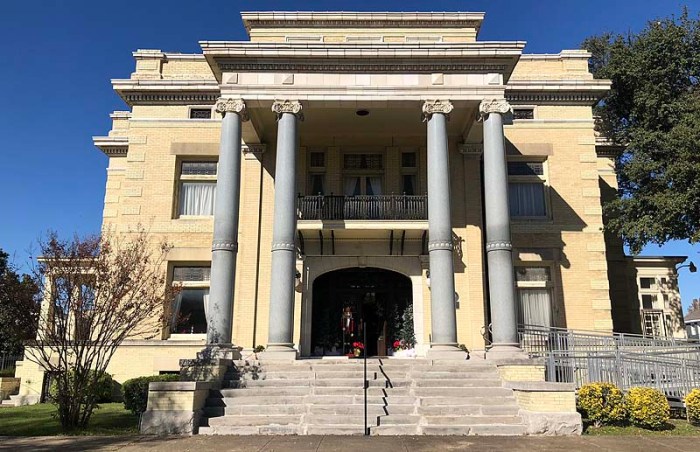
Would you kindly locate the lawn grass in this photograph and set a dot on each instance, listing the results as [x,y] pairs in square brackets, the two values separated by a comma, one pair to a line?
[40,420]
[676,427]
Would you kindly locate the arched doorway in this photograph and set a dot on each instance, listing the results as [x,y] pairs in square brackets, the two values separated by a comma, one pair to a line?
[382,298]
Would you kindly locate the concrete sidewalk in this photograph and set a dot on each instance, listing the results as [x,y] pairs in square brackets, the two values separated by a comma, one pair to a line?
[348,443]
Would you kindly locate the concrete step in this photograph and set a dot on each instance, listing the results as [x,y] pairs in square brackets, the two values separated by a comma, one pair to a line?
[339,429]
[255,400]
[291,375]
[490,430]
[462,392]
[350,399]
[266,392]
[267,383]
[399,419]
[437,374]
[236,409]
[358,409]
[471,420]
[356,391]
[457,383]
[354,382]
[468,410]
[394,430]
[253,430]
[237,420]
[478,401]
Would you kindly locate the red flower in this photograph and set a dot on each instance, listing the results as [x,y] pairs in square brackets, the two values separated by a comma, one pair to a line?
[359,345]
[396,344]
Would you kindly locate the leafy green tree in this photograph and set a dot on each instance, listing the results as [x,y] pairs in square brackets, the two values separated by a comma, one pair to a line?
[653,110]
[19,308]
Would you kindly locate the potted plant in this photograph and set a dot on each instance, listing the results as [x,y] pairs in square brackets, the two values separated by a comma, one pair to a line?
[357,348]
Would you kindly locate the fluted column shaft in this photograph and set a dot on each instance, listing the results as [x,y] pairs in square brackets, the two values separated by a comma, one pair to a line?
[226,206]
[283,267]
[440,246]
[499,248]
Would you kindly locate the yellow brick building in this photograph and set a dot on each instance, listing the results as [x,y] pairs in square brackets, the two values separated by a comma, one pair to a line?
[362,90]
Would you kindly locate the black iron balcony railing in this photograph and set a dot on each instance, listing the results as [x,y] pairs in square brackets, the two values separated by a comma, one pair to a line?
[383,207]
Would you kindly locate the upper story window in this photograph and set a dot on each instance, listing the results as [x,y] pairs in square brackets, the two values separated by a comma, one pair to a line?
[364,39]
[523,113]
[363,162]
[189,312]
[200,113]
[309,38]
[409,169]
[363,174]
[534,290]
[197,188]
[526,189]
[317,173]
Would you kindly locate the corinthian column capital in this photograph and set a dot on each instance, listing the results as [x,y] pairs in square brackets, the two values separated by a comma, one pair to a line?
[228,105]
[486,107]
[288,106]
[436,106]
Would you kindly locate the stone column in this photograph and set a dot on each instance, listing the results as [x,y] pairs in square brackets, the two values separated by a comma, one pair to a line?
[443,342]
[225,244]
[283,269]
[499,249]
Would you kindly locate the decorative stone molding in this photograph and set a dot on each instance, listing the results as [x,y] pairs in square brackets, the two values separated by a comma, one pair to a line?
[228,105]
[288,106]
[178,98]
[440,245]
[501,106]
[585,98]
[436,106]
[359,66]
[224,246]
[499,246]
[253,150]
[475,149]
[282,246]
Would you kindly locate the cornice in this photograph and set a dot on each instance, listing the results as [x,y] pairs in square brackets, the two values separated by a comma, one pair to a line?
[112,146]
[363,66]
[277,19]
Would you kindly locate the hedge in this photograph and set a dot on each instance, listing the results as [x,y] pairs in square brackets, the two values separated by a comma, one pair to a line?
[136,391]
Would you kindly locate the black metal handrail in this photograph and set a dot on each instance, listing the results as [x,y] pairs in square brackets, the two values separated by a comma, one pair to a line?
[363,207]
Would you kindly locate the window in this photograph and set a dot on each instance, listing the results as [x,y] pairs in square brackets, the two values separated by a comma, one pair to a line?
[200,113]
[197,189]
[526,189]
[189,313]
[647,283]
[317,173]
[523,113]
[409,164]
[534,290]
[363,161]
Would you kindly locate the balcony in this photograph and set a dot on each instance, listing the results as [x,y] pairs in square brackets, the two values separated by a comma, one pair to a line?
[382,207]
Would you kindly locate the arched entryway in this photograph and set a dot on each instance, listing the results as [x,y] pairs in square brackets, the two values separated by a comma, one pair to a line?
[381,298]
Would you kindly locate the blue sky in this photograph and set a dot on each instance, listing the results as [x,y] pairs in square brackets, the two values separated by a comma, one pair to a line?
[59,58]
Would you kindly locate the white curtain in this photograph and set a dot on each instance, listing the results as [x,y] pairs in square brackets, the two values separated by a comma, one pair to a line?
[197,198]
[526,199]
[374,186]
[352,186]
[176,311]
[205,300]
[535,307]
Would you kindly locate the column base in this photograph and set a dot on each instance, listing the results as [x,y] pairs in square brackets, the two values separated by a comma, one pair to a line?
[446,352]
[278,352]
[506,352]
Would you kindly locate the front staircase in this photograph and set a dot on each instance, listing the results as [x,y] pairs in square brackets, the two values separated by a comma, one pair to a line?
[326,396]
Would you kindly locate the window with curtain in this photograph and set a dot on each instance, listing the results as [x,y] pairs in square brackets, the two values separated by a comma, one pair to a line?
[197,189]
[534,290]
[409,170]
[317,173]
[526,190]
[190,307]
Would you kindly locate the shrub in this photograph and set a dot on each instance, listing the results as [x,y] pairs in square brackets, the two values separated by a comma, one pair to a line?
[647,408]
[103,389]
[8,372]
[259,349]
[602,403]
[692,406]
[136,391]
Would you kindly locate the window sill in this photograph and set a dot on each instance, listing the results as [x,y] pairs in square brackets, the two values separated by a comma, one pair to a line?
[188,337]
